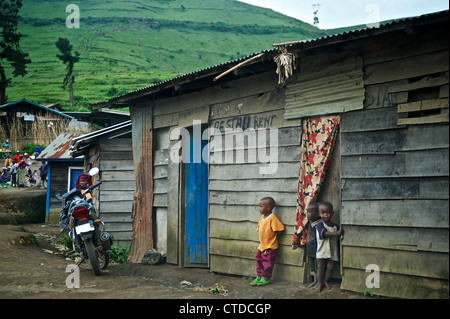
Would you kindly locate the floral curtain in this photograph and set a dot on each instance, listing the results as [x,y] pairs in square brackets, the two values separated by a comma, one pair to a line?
[318,138]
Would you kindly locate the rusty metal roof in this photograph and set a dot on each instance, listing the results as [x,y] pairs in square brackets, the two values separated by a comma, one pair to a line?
[59,148]
[398,24]
[81,144]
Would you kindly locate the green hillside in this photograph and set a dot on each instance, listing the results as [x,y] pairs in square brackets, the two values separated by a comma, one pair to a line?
[126,45]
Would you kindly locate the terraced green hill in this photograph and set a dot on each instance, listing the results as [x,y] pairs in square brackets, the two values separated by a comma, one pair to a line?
[126,45]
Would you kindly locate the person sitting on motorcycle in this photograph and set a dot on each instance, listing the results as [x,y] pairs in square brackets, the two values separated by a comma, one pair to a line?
[82,183]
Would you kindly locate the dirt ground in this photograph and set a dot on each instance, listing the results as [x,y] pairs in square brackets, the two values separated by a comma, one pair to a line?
[31,267]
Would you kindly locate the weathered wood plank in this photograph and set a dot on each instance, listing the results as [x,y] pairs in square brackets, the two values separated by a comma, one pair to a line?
[117,175]
[117,165]
[282,184]
[395,285]
[114,196]
[244,230]
[235,172]
[423,105]
[370,120]
[398,238]
[259,103]
[161,157]
[404,164]
[160,200]
[430,119]
[116,217]
[121,155]
[116,145]
[249,198]
[398,188]
[424,82]
[398,213]
[409,67]
[250,213]
[415,263]
[118,227]
[434,188]
[118,185]
[121,206]
[160,172]
[250,139]
[160,186]
[423,137]
[255,155]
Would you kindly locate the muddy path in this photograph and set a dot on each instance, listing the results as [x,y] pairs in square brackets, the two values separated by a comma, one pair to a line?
[32,267]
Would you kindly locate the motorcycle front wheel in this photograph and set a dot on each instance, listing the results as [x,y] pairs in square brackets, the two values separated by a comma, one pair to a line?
[90,250]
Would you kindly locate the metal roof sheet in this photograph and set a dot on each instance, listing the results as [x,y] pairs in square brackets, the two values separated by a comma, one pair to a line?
[327,40]
[59,148]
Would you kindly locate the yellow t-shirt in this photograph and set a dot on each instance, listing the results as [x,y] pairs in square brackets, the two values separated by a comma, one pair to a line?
[88,195]
[267,229]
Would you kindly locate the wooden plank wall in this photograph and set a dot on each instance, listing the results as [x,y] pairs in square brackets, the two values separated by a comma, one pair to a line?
[235,188]
[160,197]
[395,186]
[117,189]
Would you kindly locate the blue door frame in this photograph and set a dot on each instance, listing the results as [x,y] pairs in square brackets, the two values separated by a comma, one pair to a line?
[196,204]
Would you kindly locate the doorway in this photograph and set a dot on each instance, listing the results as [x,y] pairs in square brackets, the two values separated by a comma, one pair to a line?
[196,202]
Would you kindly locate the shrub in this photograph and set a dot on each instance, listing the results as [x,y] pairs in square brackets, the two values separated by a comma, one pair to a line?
[119,254]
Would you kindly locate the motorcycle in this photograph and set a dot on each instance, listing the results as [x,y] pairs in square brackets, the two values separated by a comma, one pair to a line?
[87,232]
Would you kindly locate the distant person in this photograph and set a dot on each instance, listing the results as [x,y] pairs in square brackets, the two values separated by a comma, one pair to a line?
[17,157]
[43,172]
[5,145]
[8,161]
[21,172]
[36,151]
[269,226]
[5,176]
[14,175]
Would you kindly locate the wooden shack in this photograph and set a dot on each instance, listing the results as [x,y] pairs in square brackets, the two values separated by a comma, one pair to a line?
[110,150]
[384,89]
[63,171]
[25,122]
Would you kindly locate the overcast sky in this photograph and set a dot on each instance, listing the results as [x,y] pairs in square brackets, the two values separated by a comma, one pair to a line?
[341,13]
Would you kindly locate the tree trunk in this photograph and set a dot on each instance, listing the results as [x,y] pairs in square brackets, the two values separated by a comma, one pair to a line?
[71,90]
[3,85]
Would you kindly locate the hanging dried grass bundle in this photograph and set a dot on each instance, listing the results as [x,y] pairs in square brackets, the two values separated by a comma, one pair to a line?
[285,64]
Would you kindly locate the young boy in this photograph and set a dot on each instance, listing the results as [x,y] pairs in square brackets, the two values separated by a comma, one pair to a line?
[327,252]
[268,228]
[312,213]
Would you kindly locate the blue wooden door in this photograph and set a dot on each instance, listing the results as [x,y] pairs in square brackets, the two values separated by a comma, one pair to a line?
[196,206]
[74,173]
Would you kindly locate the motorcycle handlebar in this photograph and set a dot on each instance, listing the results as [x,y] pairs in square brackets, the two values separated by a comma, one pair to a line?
[95,185]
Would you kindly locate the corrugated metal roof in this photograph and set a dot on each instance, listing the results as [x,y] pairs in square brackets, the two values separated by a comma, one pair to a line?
[81,143]
[35,104]
[327,40]
[59,148]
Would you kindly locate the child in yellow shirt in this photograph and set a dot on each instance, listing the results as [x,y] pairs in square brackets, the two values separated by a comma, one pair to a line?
[268,228]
